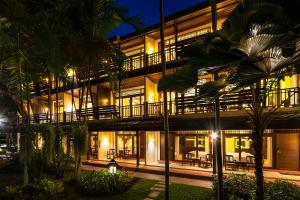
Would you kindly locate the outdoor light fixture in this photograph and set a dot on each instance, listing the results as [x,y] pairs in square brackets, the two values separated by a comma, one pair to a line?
[112,166]
[214,135]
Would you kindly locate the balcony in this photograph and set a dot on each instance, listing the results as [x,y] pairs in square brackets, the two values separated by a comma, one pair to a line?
[286,98]
[131,64]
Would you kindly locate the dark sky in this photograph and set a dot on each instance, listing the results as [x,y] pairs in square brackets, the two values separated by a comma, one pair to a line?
[148,11]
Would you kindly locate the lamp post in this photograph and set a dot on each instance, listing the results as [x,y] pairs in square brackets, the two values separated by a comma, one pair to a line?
[213,147]
[112,166]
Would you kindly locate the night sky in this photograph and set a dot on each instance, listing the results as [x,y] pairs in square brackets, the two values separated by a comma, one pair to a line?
[148,11]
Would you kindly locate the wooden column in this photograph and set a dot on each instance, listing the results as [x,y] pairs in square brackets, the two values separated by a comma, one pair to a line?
[137,149]
[274,151]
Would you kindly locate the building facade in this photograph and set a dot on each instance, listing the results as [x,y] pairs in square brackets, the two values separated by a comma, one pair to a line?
[126,122]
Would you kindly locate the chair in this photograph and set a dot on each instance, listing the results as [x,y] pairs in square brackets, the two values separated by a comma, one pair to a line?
[187,158]
[121,154]
[207,161]
[250,162]
[110,154]
[126,154]
[230,162]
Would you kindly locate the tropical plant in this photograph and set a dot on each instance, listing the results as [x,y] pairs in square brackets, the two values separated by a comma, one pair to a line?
[43,188]
[39,39]
[105,183]
[80,140]
[48,134]
[256,46]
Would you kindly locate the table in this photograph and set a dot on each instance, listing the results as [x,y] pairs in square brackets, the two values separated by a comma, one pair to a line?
[241,164]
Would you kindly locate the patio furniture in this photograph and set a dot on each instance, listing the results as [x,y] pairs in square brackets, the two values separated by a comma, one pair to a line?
[241,164]
[93,153]
[206,162]
[120,154]
[250,162]
[229,162]
[126,154]
[110,154]
[186,161]
[187,158]
[195,161]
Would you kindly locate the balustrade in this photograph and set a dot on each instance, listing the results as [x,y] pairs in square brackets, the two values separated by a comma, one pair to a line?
[182,105]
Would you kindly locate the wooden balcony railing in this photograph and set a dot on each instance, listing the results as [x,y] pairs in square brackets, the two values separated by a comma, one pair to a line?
[132,63]
[182,105]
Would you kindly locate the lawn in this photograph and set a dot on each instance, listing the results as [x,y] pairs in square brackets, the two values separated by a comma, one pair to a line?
[187,192]
[138,191]
[141,189]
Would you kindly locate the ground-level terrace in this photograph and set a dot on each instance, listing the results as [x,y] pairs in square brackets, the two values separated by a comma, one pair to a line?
[193,149]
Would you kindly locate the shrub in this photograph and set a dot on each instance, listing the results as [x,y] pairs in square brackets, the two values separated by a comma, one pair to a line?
[243,187]
[237,186]
[41,189]
[48,187]
[11,193]
[105,183]
[282,190]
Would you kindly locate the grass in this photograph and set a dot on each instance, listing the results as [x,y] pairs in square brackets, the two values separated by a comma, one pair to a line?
[187,192]
[138,191]
[141,189]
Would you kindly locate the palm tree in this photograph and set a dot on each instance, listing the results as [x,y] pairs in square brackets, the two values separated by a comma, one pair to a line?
[166,122]
[218,154]
[257,43]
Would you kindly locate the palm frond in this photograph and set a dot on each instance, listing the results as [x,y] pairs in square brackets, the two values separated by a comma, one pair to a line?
[211,89]
[179,81]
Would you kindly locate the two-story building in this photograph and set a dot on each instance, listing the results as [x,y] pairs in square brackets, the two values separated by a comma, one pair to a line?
[126,123]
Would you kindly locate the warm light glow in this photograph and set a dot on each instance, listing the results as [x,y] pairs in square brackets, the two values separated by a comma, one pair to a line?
[214,135]
[70,72]
[105,143]
[112,169]
[151,145]
[151,97]
[105,101]
[150,50]
[40,142]
[46,110]
[69,108]
[89,105]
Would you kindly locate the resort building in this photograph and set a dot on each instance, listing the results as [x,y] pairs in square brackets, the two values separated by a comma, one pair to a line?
[126,121]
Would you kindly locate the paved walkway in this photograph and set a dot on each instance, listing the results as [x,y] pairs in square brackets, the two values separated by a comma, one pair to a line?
[205,174]
[161,178]
[156,190]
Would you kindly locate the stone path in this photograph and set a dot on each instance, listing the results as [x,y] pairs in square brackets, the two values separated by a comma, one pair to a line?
[156,190]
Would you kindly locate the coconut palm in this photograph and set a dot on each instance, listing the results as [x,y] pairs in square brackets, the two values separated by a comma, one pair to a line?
[258,42]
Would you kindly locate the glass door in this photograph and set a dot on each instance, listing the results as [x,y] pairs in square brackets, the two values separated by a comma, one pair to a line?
[93,147]
[126,146]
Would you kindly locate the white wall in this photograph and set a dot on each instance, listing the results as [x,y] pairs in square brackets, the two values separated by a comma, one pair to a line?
[106,141]
[152,147]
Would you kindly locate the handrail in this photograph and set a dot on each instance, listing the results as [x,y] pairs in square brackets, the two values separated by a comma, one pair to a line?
[288,97]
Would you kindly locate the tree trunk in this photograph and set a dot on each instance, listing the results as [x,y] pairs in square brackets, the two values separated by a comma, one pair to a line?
[218,154]
[27,132]
[258,130]
[49,97]
[258,144]
[218,150]
[166,122]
